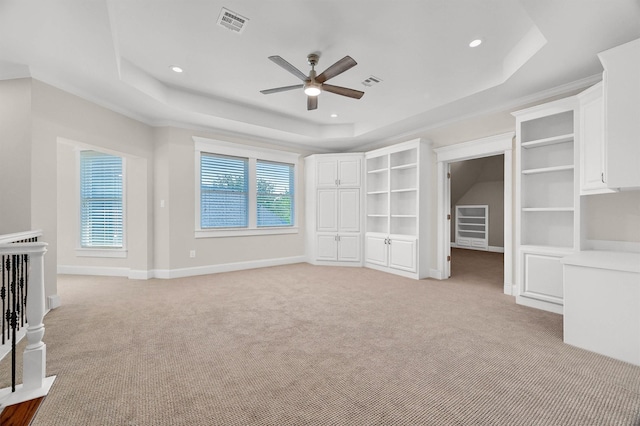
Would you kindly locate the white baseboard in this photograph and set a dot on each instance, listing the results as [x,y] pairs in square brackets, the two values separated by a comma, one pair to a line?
[104,271]
[495,249]
[227,267]
[53,301]
[137,274]
[436,274]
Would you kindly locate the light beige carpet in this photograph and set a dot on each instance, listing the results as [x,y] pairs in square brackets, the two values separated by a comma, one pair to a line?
[308,345]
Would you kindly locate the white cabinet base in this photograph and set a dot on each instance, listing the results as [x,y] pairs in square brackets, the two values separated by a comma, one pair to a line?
[602,306]
[541,281]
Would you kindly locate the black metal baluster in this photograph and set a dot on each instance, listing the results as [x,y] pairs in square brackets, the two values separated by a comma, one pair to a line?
[3,294]
[13,318]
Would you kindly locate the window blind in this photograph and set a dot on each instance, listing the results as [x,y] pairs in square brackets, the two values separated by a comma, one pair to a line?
[224,193]
[101,215]
[274,183]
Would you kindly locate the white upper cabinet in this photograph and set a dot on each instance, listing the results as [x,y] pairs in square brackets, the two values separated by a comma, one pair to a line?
[332,171]
[621,81]
[593,170]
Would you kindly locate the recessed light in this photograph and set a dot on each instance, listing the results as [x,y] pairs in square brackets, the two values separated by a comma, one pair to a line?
[475,43]
[334,115]
[176,68]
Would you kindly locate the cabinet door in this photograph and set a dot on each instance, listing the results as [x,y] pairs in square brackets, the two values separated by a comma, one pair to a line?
[402,254]
[327,172]
[542,277]
[349,248]
[349,210]
[376,250]
[326,247]
[349,172]
[327,219]
[592,139]
[622,109]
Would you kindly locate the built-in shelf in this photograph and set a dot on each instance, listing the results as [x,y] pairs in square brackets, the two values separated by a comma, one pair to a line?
[404,190]
[548,209]
[376,171]
[405,166]
[377,215]
[472,226]
[548,141]
[376,192]
[548,169]
[404,215]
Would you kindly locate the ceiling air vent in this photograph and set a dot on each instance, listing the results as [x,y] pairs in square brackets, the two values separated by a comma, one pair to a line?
[371,80]
[232,21]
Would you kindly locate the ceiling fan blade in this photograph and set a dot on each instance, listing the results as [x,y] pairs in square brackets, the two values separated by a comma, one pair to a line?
[287,66]
[338,68]
[344,91]
[281,89]
[312,102]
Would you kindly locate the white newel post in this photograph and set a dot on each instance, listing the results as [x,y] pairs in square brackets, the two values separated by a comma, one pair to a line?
[35,384]
[35,354]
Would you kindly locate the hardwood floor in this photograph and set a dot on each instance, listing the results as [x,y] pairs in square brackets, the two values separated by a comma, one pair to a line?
[20,414]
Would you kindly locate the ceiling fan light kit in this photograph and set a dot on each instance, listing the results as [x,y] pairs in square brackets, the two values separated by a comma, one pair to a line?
[315,84]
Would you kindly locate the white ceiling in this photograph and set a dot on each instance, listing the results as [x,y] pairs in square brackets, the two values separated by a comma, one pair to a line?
[118,53]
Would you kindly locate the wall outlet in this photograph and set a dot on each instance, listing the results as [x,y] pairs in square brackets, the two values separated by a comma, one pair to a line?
[192,253]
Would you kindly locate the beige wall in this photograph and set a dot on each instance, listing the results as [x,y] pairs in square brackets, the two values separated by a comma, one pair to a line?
[175,184]
[38,120]
[15,155]
[612,217]
[58,115]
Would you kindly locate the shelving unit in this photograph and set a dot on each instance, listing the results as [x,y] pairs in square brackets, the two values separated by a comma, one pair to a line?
[394,196]
[472,226]
[547,202]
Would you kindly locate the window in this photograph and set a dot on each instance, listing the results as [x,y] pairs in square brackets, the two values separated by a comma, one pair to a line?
[274,183]
[243,190]
[101,201]
[224,192]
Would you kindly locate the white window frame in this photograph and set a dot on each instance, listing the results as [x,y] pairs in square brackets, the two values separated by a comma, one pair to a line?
[253,154]
[119,252]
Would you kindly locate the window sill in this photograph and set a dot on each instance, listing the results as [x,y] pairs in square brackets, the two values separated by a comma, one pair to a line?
[95,252]
[216,233]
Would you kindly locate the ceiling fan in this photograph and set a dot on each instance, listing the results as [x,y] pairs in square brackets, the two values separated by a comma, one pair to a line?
[315,84]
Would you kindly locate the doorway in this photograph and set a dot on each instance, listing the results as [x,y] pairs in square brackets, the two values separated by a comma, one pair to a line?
[481,148]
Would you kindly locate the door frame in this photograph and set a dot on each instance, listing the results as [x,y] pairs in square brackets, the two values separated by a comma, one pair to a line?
[501,144]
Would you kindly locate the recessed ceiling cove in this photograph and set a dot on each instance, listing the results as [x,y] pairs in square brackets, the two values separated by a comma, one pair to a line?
[118,53]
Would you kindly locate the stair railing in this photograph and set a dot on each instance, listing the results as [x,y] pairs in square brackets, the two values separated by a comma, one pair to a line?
[23,302]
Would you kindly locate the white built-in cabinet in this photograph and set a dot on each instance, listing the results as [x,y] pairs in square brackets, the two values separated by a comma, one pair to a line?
[621,110]
[547,200]
[593,164]
[472,226]
[396,237]
[334,208]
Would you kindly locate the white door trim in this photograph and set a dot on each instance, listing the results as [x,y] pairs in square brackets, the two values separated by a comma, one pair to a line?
[485,147]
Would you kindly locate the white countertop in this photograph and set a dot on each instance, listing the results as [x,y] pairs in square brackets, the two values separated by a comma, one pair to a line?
[613,260]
